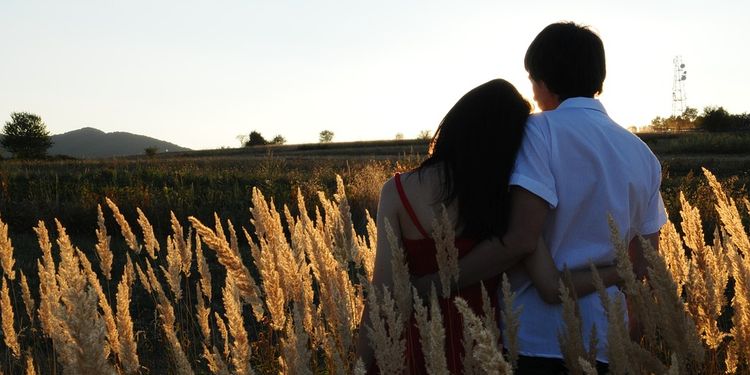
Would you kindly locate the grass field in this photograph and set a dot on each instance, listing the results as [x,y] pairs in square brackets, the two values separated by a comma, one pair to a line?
[203,182]
[258,300]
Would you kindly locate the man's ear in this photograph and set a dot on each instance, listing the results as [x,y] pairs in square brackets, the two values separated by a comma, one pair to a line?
[553,96]
[545,98]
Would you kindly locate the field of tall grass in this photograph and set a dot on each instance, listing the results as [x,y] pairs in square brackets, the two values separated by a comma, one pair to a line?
[199,186]
[284,292]
[71,190]
[704,143]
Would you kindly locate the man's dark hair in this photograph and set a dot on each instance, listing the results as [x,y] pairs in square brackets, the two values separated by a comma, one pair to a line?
[569,59]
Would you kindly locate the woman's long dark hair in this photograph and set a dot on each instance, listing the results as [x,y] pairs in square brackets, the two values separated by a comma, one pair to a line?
[475,149]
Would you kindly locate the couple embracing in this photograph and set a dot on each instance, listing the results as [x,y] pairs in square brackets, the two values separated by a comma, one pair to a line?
[529,195]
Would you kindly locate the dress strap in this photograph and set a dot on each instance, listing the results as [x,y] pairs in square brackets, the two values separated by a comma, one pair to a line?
[407,206]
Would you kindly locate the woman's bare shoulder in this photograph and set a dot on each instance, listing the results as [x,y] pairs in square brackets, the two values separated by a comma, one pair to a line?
[422,175]
[388,194]
[422,181]
[408,179]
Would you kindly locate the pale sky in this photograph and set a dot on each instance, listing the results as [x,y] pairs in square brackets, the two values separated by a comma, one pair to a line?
[199,73]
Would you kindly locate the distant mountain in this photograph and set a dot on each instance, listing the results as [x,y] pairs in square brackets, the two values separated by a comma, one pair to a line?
[94,143]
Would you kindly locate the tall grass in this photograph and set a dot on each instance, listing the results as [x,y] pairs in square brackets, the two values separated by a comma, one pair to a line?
[71,190]
[289,296]
[699,143]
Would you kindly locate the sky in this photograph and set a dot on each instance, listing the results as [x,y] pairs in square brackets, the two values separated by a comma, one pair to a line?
[200,73]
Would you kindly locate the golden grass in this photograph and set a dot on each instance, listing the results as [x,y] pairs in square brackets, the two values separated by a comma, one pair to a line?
[128,346]
[240,349]
[168,319]
[571,339]
[103,250]
[127,233]
[385,331]
[487,351]
[28,300]
[7,261]
[8,321]
[296,354]
[431,333]
[402,290]
[113,338]
[300,312]
[173,269]
[447,253]
[205,282]
[149,239]
[232,262]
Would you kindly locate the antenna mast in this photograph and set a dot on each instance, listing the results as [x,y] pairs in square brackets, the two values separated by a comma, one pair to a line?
[679,98]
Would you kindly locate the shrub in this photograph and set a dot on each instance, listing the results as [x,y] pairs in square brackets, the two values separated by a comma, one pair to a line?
[151,151]
[255,139]
[326,136]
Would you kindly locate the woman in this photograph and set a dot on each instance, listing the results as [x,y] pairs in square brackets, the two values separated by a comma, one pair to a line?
[468,169]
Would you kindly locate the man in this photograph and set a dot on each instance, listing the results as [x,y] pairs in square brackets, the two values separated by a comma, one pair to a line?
[576,166]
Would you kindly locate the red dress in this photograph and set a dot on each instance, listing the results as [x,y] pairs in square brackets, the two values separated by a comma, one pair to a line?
[420,255]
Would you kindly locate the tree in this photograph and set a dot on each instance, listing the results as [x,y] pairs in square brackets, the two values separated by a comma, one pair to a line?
[690,114]
[743,121]
[255,139]
[685,121]
[658,124]
[242,138]
[425,135]
[326,136]
[151,151]
[716,119]
[278,140]
[26,136]
[399,136]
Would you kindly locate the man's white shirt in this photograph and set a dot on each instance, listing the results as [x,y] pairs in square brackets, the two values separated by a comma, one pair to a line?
[586,167]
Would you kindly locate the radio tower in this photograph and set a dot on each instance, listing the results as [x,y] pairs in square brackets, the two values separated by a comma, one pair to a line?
[678,87]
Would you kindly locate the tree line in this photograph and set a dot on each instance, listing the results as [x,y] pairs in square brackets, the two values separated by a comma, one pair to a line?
[325,136]
[256,139]
[26,136]
[712,119]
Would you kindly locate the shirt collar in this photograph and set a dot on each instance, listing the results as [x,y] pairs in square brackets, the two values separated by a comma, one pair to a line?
[582,102]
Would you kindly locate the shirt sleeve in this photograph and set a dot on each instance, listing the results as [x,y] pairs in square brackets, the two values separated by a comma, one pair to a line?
[532,170]
[656,214]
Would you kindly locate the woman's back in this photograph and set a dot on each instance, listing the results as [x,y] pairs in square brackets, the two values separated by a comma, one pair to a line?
[470,160]
[420,188]
[420,251]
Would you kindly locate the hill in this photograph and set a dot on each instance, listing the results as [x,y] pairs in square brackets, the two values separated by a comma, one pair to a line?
[94,143]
